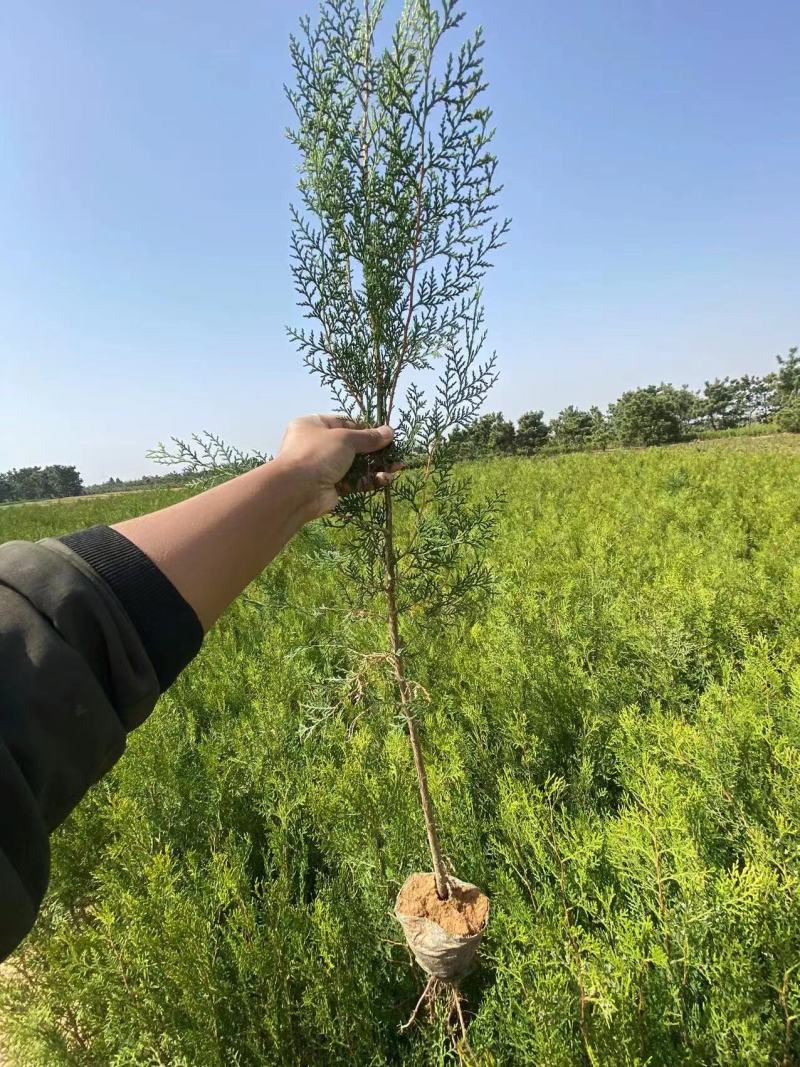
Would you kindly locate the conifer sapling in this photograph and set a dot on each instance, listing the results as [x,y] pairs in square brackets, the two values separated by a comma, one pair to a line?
[392,236]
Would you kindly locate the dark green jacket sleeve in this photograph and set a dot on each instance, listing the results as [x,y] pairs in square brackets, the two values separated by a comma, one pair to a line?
[90,633]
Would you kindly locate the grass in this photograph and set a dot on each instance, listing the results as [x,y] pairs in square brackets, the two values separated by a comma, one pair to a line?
[614,748]
[751,429]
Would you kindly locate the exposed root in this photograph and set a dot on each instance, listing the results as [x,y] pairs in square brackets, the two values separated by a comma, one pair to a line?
[426,993]
[450,994]
[457,1003]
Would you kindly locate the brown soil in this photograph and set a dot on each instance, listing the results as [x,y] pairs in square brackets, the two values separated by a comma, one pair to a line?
[463,913]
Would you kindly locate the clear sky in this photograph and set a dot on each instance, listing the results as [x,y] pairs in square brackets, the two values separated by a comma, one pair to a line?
[650,151]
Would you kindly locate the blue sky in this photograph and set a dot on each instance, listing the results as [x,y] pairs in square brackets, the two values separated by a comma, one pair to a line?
[651,156]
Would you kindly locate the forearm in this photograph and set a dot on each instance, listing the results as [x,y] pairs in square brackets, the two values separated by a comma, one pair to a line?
[212,545]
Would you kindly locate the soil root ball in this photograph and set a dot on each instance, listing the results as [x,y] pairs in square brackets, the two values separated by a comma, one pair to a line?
[444,935]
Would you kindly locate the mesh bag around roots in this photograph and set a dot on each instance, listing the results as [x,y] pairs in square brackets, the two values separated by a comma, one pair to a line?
[439,953]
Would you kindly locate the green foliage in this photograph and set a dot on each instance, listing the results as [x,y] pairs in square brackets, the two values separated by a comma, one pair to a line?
[655,415]
[787,391]
[788,418]
[532,432]
[787,378]
[613,746]
[760,400]
[490,434]
[396,223]
[393,235]
[205,459]
[571,428]
[34,520]
[601,434]
[723,404]
[40,483]
[728,403]
[750,429]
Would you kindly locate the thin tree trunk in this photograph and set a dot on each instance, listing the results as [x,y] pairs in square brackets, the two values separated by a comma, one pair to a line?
[396,648]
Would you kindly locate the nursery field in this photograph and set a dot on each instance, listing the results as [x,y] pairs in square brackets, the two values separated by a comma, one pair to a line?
[613,745]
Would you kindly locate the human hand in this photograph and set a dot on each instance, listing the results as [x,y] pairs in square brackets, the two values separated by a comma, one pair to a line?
[320,449]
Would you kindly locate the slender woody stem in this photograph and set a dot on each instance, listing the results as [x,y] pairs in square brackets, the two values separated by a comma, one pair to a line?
[390,560]
[396,649]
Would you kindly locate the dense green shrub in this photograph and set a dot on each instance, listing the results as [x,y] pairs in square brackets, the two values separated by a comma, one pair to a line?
[787,377]
[723,404]
[571,428]
[532,432]
[613,747]
[656,415]
[788,418]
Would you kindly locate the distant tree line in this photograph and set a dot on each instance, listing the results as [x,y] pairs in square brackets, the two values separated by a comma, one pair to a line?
[654,415]
[47,483]
[147,481]
[40,483]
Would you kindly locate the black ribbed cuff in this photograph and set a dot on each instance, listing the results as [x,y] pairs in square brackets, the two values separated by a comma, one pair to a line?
[169,628]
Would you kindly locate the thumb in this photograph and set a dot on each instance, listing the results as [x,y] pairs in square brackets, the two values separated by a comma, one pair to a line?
[370,440]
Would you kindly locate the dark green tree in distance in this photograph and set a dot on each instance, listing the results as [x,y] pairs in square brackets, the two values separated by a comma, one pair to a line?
[40,483]
[787,391]
[572,428]
[64,480]
[686,404]
[758,400]
[600,434]
[787,377]
[655,415]
[28,483]
[489,435]
[723,403]
[788,418]
[532,432]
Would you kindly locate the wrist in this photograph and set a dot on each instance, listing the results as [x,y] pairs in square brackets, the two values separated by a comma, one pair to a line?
[298,489]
